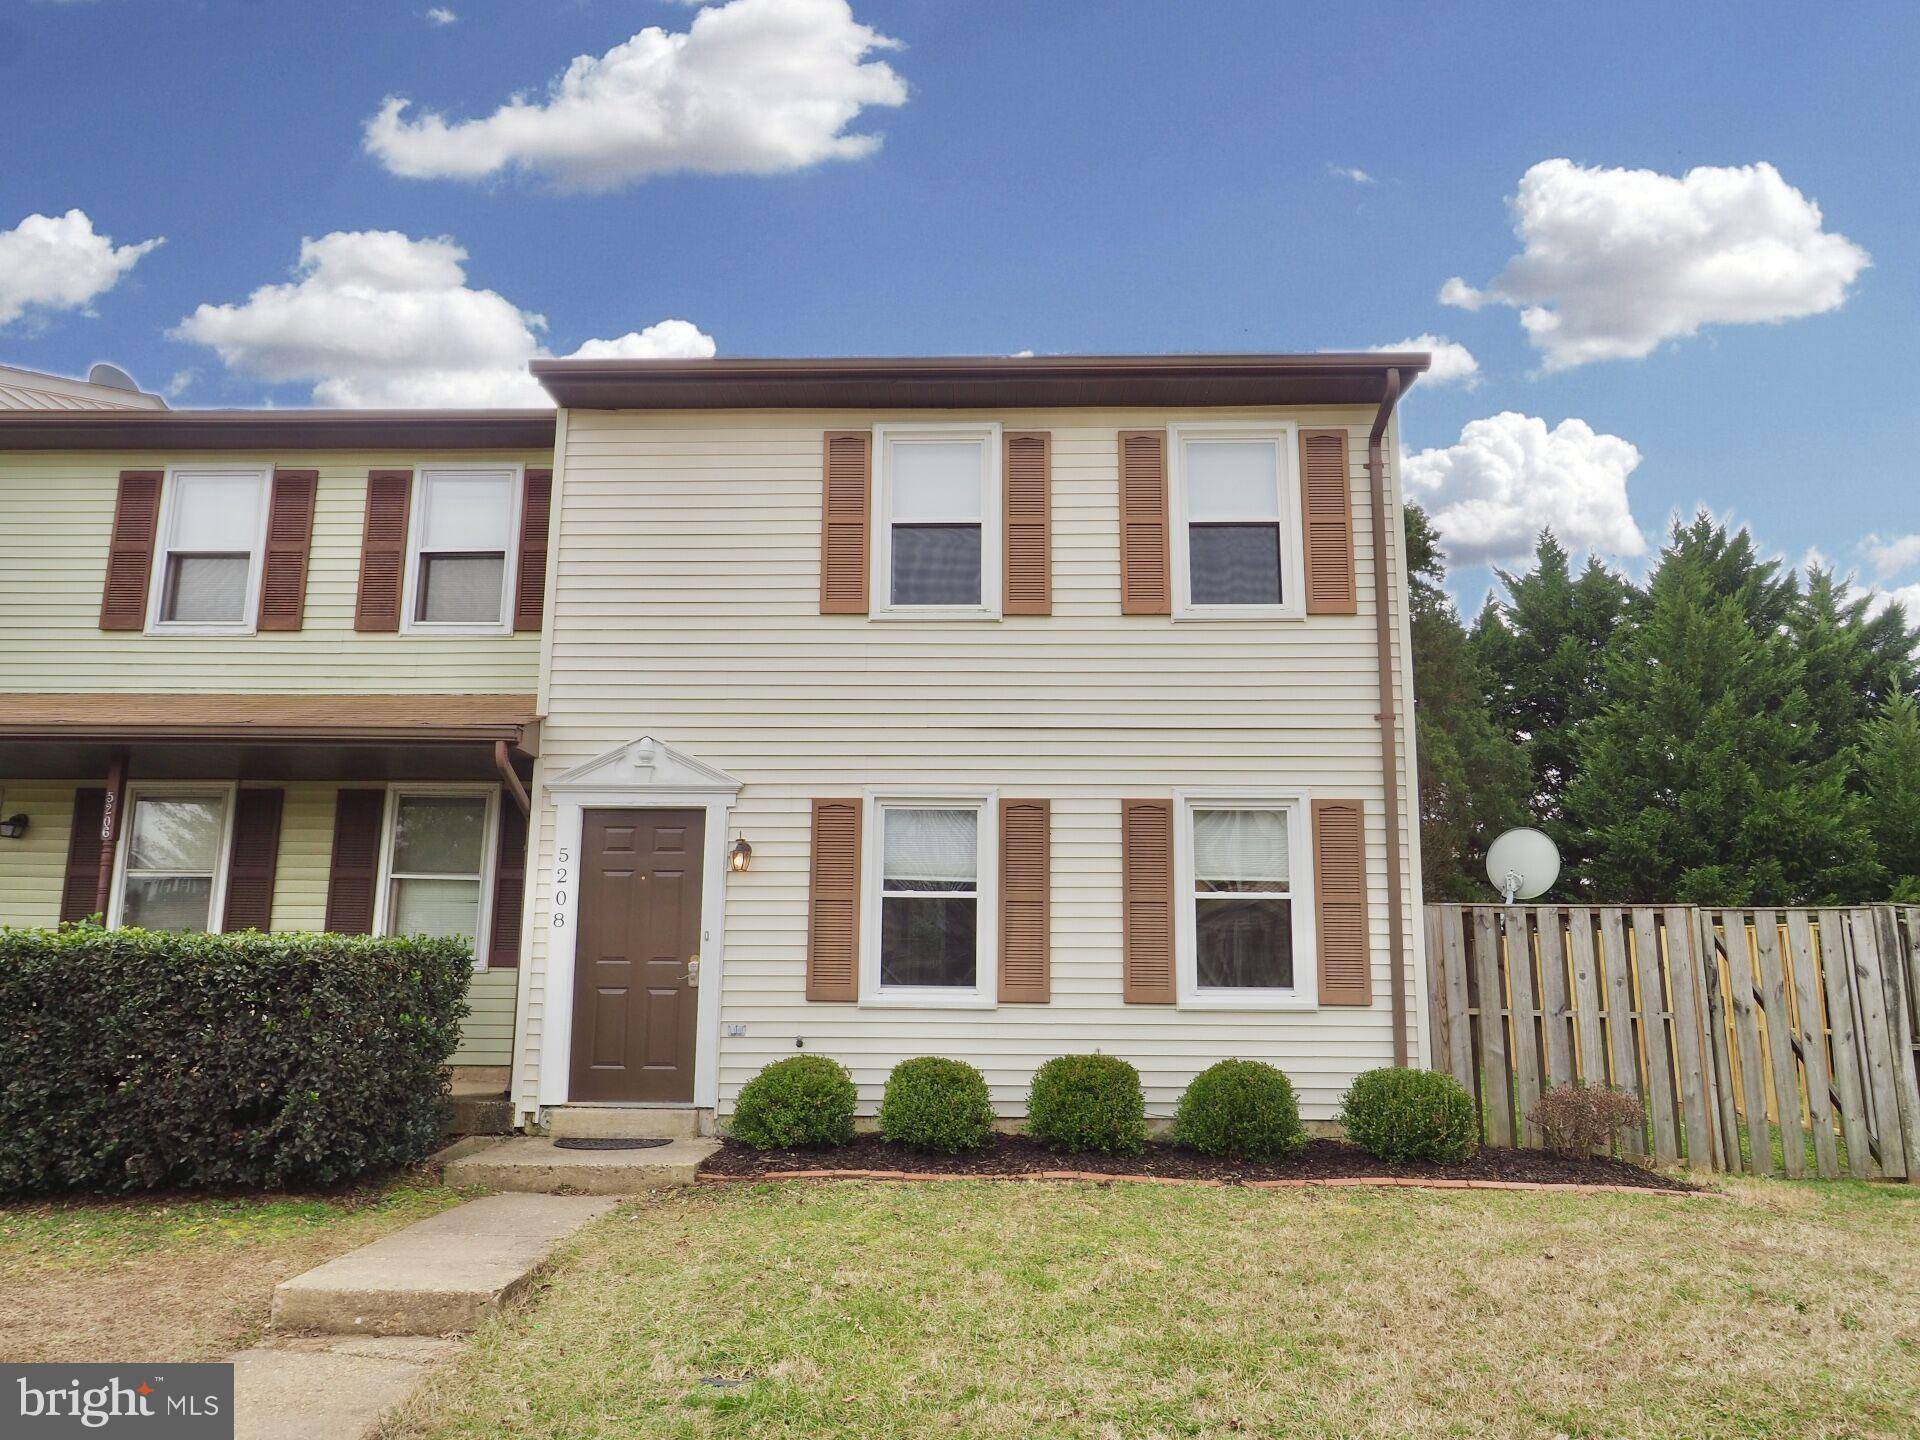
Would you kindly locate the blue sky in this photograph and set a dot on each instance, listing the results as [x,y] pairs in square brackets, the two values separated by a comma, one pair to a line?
[1054,177]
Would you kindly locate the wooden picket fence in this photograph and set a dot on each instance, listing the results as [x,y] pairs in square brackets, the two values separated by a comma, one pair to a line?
[1756,1039]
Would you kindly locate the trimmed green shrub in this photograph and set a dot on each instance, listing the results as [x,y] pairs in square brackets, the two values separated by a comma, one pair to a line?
[134,1060]
[798,1103]
[1404,1115]
[1088,1102]
[936,1104]
[1240,1110]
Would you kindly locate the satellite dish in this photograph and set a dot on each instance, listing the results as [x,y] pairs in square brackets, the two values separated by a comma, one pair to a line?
[111,376]
[1522,863]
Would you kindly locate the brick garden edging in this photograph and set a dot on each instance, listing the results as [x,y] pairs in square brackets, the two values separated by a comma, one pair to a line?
[1098,1178]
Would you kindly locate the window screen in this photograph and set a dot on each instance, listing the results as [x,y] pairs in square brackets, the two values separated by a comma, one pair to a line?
[935,488]
[463,536]
[929,897]
[436,869]
[212,531]
[1233,522]
[1243,903]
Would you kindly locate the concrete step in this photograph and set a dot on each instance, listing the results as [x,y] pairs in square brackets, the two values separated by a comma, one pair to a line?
[487,1113]
[534,1163]
[623,1122]
[443,1275]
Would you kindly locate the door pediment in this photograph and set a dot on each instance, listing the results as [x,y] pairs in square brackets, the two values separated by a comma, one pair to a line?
[642,767]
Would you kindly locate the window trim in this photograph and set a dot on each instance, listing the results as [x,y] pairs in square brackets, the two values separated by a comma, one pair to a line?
[170,488]
[984,993]
[489,853]
[423,475]
[1284,434]
[1305,991]
[227,790]
[880,578]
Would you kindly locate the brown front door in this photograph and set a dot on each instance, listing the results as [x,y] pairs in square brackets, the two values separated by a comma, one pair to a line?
[633,999]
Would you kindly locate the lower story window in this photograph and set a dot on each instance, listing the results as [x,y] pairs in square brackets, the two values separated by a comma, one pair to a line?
[929,897]
[172,860]
[1242,899]
[436,863]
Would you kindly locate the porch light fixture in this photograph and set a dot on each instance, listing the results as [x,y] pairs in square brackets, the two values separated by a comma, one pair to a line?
[740,857]
[14,826]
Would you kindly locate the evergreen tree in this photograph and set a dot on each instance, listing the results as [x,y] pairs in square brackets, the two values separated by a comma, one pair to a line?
[1543,648]
[1473,780]
[1699,779]
[1855,662]
[1889,761]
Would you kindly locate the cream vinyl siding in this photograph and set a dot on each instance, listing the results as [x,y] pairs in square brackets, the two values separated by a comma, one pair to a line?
[686,607]
[32,870]
[56,514]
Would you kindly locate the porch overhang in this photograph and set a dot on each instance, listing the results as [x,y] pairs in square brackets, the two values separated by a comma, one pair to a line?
[266,737]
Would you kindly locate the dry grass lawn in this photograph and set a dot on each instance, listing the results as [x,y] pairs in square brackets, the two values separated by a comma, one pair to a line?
[874,1311]
[174,1279]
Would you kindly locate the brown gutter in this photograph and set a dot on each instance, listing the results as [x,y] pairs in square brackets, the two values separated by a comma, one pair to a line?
[276,430]
[1389,725]
[973,381]
[504,765]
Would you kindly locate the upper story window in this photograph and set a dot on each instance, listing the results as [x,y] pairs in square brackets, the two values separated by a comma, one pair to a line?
[461,553]
[212,531]
[1236,546]
[937,541]
[172,858]
[437,860]
[933,933]
[1245,937]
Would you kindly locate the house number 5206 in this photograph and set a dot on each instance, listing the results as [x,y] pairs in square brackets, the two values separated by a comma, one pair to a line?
[562,872]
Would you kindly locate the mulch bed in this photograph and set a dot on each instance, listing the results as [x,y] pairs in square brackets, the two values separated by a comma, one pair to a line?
[1322,1161]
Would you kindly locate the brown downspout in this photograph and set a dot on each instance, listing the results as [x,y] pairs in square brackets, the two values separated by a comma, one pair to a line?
[504,765]
[110,830]
[1389,725]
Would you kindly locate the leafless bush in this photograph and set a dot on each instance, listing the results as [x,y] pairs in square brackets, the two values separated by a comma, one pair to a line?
[1577,1120]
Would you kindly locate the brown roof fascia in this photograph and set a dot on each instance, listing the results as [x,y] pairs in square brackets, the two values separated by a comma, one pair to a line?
[334,719]
[277,430]
[960,382]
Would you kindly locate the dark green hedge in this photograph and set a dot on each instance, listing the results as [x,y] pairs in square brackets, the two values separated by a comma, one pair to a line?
[131,1059]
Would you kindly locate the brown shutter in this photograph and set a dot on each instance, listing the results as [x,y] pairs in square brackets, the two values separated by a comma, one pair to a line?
[1327,503]
[383,551]
[1146,868]
[1340,902]
[1025,882]
[509,887]
[283,585]
[845,506]
[80,888]
[530,582]
[255,858]
[355,869]
[833,906]
[1026,560]
[1145,588]
[136,516]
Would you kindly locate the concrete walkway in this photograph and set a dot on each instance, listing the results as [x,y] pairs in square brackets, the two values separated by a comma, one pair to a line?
[534,1163]
[445,1274]
[334,1388]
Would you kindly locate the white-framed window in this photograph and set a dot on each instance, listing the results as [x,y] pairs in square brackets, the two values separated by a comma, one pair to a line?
[1237,525]
[171,858]
[436,862]
[207,551]
[1244,936]
[462,551]
[931,882]
[936,547]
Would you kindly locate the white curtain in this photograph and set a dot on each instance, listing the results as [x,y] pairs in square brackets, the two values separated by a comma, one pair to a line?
[928,847]
[1240,845]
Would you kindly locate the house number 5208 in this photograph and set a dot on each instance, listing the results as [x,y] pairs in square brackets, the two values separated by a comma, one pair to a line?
[562,872]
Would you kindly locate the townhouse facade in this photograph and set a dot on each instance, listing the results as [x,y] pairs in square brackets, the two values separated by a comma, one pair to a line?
[876,708]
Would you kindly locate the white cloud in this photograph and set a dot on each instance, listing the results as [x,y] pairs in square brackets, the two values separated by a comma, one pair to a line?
[1509,476]
[60,262]
[177,385]
[754,87]
[441,15]
[668,340]
[1350,172]
[1452,364]
[376,318]
[1614,262]
[1891,555]
[1907,596]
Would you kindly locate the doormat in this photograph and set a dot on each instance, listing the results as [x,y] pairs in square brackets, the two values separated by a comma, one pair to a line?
[597,1144]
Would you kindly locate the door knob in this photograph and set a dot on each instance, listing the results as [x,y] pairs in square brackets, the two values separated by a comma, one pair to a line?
[693,970]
